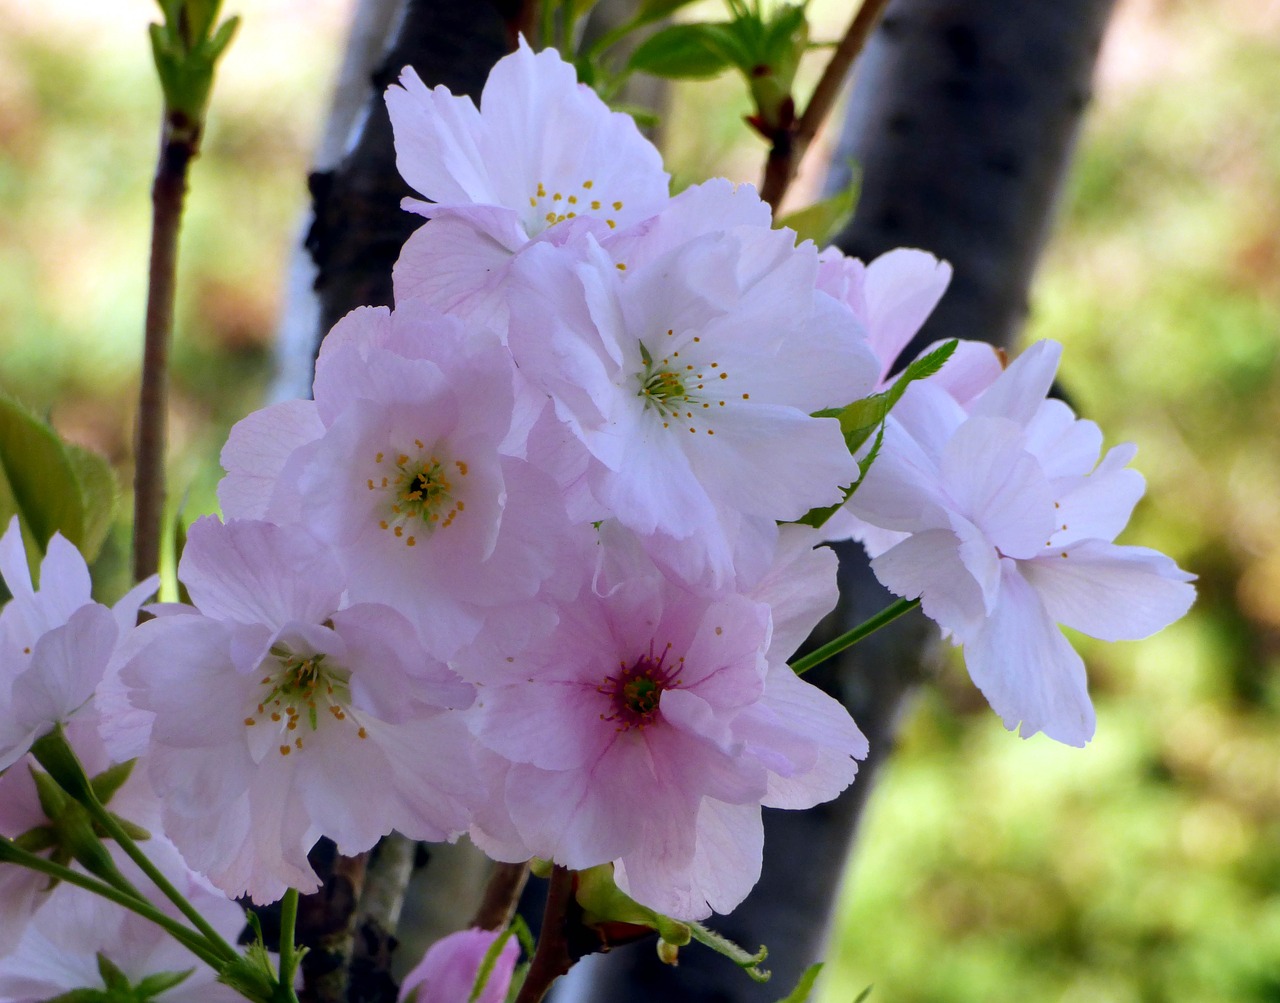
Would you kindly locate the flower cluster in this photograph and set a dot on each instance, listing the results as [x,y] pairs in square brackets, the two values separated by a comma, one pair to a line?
[527,565]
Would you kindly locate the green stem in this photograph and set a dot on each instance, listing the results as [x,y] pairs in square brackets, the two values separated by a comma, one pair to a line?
[134,903]
[846,640]
[116,831]
[288,953]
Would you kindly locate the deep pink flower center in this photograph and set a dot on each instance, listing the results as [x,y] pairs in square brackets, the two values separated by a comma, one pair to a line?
[636,689]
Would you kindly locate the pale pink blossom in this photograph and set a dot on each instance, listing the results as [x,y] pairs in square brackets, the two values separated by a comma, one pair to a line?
[542,158]
[281,715]
[407,465]
[690,381]
[1001,517]
[653,723]
[55,641]
[58,950]
[447,972]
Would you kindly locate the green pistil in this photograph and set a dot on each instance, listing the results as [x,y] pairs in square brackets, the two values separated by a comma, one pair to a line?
[661,388]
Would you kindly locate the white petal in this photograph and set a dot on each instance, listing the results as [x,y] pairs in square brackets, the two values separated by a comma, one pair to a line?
[1027,670]
[1110,592]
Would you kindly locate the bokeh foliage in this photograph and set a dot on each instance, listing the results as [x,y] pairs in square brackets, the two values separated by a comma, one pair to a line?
[1145,868]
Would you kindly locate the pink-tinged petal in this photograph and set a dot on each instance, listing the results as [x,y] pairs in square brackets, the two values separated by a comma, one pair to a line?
[824,725]
[13,561]
[1064,445]
[1099,505]
[448,971]
[258,572]
[256,451]
[65,585]
[928,566]
[593,822]
[1020,390]
[799,588]
[972,368]
[700,735]
[979,557]
[901,287]
[1110,592]
[516,722]
[437,139]
[457,268]
[713,206]
[769,460]
[1026,669]
[999,486]
[930,415]
[724,867]
[902,492]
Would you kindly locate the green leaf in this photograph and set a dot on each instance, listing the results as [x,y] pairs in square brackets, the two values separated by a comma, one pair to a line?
[99,494]
[804,988]
[823,220]
[865,994]
[114,979]
[39,476]
[723,945]
[861,418]
[154,985]
[683,51]
[648,11]
[487,963]
[110,780]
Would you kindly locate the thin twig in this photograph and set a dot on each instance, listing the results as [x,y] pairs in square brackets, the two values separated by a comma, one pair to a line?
[178,147]
[501,894]
[789,148]
[552,958]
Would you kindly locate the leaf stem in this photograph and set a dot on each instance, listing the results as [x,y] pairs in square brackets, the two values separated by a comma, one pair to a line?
[288,954]
[117,832]
[789,149]
[134,903]
[852,637]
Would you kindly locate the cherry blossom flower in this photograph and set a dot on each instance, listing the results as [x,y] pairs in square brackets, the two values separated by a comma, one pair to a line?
[1003,519]
[658,719]
[281,716]
[58,951]
[447,972]
[55,642]
[542,158]
[690,381]
[402,465]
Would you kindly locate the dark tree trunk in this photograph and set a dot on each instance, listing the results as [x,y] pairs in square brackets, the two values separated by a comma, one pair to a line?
[962,121]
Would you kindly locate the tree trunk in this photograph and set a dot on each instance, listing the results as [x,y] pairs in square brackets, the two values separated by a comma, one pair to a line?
[962,121]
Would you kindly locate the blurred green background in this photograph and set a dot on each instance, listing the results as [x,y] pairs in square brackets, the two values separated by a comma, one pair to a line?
[1143,868]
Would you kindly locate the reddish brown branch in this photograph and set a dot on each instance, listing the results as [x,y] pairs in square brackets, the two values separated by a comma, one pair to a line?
[179,145]
[553,957]
[790,145]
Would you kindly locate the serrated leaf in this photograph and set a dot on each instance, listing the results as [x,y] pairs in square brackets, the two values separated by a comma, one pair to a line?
[804,988]
[683,51]
[861,418]
[740,957]
[40,477]
[823,220]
